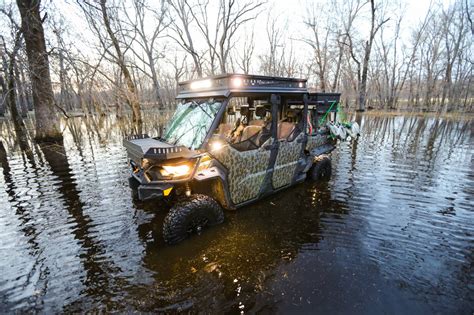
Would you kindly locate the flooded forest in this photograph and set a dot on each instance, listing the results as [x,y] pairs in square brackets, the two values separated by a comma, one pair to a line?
[390,232]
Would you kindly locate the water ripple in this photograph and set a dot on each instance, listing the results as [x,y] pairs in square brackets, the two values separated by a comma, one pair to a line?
[391,232]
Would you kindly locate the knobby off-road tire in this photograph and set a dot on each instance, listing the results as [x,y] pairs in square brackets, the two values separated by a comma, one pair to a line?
[321,169]
[191,216]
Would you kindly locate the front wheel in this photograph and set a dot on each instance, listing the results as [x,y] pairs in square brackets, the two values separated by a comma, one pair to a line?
[321,169]
[190,216]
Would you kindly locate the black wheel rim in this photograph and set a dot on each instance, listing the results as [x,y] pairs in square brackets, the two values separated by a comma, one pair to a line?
[197,224]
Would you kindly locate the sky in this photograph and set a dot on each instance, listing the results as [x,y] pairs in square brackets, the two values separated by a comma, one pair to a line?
[414,11]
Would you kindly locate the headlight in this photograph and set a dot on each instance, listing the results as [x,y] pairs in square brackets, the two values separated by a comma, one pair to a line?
[175,170]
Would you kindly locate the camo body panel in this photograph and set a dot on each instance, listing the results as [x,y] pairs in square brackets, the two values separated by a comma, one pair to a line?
[286,162]
[316,141]
[246,170]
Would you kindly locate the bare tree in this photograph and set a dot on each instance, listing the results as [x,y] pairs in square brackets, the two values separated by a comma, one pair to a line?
[230,18]
[11,85]
[271,63]
[374,28]
[319,42]
[244,61]
[147,41]
[140,49]
[454,33]
[117,56]
[182,32]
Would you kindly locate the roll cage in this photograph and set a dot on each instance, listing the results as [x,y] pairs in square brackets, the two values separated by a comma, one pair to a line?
[280,94]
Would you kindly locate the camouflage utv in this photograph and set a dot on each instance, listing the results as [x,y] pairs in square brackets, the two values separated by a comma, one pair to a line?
[232,140]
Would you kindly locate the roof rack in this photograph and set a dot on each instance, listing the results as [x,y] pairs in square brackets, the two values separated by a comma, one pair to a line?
[224,85]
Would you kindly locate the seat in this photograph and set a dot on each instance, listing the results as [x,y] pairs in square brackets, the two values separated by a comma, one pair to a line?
[285,129]
[249,132]
[225,128]
[256,122]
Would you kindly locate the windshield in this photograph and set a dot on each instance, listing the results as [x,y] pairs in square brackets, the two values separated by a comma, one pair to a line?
[191,122]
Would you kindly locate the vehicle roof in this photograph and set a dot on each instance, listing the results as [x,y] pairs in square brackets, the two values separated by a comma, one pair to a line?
[227,84]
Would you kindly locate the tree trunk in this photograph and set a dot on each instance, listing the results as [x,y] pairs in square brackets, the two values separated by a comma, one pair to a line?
[365,69]
[21,96]
[3,96]
[26,87]
[365,65]
[154,78]
[18,123]
[47,122]
[64,95]
[338,69]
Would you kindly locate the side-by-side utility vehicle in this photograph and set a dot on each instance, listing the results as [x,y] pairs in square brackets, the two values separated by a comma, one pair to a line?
[232,140]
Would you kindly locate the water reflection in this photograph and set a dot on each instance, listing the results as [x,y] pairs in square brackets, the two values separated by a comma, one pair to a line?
[391,232]
[96,282]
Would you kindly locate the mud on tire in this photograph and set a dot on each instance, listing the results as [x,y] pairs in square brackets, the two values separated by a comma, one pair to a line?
[321,169]
[191,216]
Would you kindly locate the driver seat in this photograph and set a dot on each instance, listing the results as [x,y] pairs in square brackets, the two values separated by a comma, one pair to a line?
[250,131]
[285,129]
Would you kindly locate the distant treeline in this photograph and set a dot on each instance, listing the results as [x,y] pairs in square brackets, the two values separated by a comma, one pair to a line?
[131,53]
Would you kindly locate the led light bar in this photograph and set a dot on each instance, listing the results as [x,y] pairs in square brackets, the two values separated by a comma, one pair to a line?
[243,82]
[202,84]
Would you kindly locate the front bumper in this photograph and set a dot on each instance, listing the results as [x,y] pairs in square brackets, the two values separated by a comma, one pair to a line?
[150,191]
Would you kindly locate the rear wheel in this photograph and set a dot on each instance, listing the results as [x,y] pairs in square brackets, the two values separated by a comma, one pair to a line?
[321,169]
[191,216]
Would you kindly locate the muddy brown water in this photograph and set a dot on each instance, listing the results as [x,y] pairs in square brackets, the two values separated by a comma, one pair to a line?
[391,232]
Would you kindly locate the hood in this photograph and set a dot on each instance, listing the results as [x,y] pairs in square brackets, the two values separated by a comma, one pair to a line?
[142,146]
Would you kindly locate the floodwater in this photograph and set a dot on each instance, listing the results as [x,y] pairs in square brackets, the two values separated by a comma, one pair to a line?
[391,232]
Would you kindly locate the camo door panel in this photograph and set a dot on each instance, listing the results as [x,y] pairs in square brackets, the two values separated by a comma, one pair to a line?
[246,170]
[286,162]
[316,141]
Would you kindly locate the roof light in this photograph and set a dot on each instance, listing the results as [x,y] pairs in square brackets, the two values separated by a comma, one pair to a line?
[202,84]
[237,82]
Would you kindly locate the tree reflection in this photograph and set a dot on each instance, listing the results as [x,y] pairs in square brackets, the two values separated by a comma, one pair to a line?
[98,282]
[27,227]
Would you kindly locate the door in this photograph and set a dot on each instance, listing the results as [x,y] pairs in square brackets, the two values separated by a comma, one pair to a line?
[290,137]
[246,132]
[288,158]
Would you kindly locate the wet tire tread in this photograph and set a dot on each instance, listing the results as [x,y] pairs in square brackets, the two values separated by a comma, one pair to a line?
[321,169]
[175,223]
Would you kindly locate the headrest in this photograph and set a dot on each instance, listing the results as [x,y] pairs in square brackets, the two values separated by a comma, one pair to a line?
[244,110]
[260,111]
